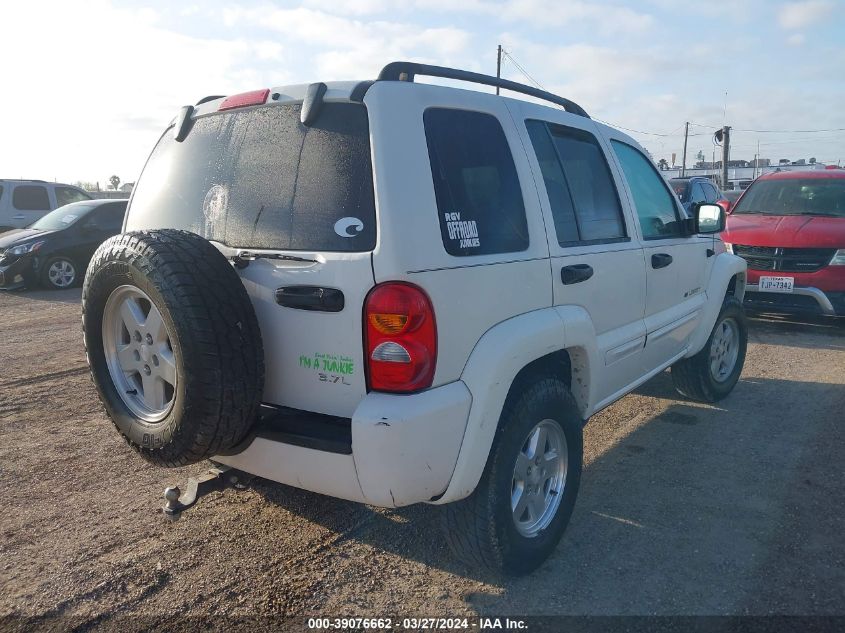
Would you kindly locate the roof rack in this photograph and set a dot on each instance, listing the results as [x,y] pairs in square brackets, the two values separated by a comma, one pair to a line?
[405,71]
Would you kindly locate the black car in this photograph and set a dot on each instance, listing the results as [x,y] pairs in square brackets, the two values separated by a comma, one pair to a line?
[694,189]
[55,250]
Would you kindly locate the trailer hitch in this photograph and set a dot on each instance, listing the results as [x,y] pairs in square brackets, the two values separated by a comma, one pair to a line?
[219,477]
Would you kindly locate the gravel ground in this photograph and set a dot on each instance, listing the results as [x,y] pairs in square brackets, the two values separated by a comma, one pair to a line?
[684,508]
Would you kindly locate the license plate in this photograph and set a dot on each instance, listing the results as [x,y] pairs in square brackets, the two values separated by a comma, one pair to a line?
[776,284]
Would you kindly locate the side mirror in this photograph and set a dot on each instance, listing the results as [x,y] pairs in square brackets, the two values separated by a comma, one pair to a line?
[708,218]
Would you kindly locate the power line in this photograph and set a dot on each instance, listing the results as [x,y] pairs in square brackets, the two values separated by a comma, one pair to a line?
[834,129]
[507,55]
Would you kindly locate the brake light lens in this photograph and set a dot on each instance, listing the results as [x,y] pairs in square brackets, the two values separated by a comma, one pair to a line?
[400,337]
[253,97]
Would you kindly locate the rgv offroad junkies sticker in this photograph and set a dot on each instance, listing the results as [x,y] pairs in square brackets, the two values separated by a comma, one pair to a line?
[466,231]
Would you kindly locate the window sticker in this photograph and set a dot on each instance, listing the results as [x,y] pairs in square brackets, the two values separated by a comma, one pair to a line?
[348,227]
[466,231]
[69,218]
[330,368]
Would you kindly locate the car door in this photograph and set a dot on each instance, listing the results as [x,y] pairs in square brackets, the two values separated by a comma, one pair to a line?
[675,261]
[97,227]
[596,262]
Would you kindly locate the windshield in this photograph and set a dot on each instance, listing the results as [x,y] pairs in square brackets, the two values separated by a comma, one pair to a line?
[258,178]
[681,188]
[799,196]
[62,217]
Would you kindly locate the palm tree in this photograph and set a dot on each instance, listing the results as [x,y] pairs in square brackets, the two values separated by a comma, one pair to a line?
[662,164]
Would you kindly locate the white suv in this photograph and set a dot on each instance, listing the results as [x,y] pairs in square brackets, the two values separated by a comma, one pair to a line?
[395,293]
[22,202]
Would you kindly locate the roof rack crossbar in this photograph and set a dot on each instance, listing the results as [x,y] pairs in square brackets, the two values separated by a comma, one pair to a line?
[405,71]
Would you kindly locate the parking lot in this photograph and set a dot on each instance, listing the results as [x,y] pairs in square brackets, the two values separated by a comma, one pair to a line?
[684,508]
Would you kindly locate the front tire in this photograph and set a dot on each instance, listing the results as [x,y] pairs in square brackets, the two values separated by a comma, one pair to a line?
[712,373]
[59,273]
[518,512]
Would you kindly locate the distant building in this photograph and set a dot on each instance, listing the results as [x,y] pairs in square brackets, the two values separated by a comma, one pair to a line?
[739,176]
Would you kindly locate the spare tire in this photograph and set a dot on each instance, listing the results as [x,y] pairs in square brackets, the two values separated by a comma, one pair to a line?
[173,344]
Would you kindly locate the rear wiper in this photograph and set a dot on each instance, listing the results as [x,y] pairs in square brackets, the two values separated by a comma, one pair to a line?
[242,258]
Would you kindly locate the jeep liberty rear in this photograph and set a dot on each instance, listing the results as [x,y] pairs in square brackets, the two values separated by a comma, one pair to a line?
[398,293]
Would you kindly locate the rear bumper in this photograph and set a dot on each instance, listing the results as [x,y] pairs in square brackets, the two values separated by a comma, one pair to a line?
[404,450]
[801,300]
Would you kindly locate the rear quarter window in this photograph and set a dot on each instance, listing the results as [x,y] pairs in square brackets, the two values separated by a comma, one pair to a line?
[479,199]
[67,195]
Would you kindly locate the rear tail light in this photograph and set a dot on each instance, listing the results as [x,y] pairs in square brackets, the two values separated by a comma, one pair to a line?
[254,97]
[400,338]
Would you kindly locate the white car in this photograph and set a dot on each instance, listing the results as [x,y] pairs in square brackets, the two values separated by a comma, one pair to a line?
[23,202]
[396,293]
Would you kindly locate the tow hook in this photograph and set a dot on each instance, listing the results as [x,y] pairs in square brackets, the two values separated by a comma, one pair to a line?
[219,477]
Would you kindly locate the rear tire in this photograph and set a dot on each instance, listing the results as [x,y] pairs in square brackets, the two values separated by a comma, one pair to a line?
[485,529]
[173,345]
[712,373]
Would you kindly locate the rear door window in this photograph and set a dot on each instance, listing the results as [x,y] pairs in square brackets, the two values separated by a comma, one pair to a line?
[258,178]
[30,198]
[583,198]
[479,198]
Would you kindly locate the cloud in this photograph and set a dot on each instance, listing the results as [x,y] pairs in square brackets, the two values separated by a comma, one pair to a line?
[97,104]
[607,19]
[798,15]
[796,39]
[349,48]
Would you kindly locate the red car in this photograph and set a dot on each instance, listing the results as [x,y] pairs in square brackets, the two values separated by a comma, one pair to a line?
[790,228]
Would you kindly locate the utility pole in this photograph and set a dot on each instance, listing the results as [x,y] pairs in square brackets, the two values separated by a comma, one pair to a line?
[498,65]
[756,159]
[726,152]
[684,162]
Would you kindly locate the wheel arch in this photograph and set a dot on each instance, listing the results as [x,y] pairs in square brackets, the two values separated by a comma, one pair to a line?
[728,277]
[556,342]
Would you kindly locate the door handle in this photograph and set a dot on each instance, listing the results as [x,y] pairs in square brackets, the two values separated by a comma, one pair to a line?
[661,260]
[312,298]
[575,274]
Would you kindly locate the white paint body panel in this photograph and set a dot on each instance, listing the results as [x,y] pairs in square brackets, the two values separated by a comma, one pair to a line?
[404,450]
[495,315]
[299,345]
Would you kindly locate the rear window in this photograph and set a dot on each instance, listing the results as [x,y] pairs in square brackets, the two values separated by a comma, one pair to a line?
[799,196]
[258,178]
[479,200]
[30,198]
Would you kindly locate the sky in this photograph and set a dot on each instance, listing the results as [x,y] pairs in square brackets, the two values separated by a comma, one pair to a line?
[88,87]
